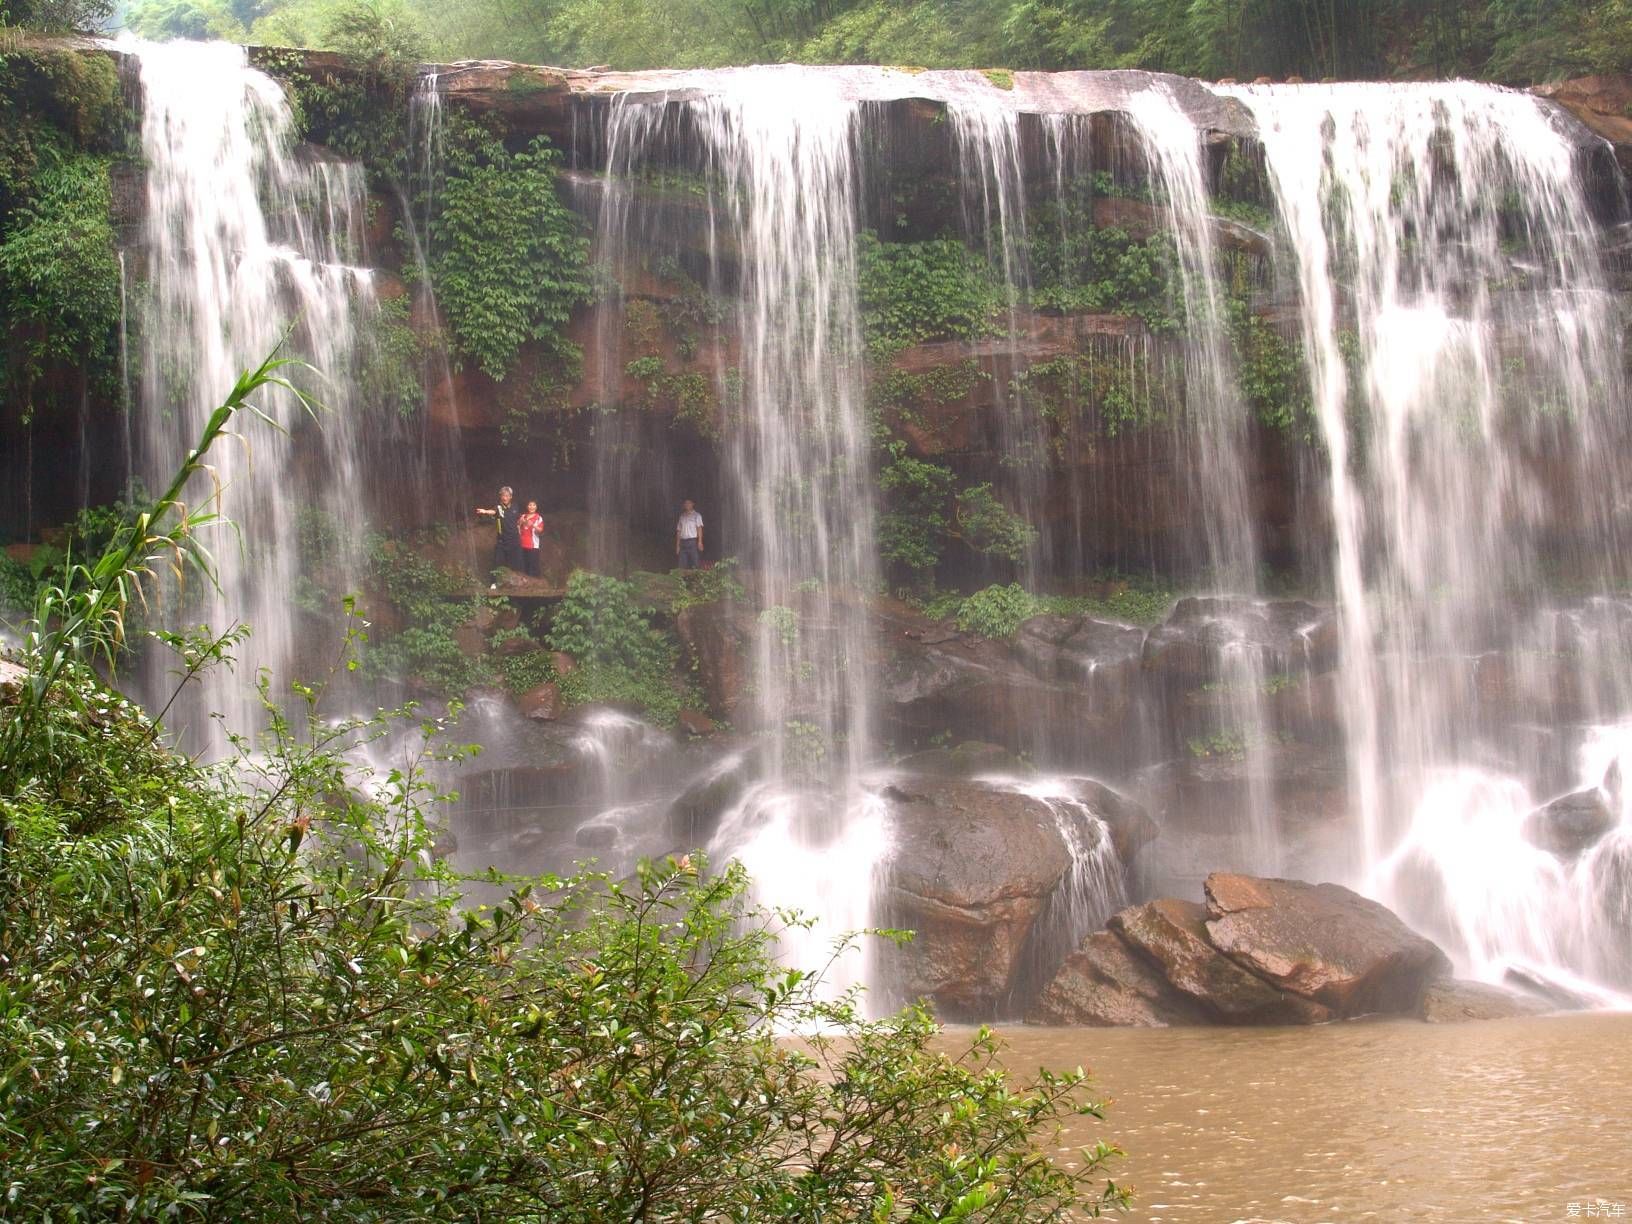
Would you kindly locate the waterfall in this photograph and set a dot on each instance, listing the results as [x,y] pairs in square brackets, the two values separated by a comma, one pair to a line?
[1465,369]
[775,146]
[1216,430]
[242,240]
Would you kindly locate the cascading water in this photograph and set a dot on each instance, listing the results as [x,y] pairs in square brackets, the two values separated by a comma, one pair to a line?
[1467,386]
[1216,429]
[243,241]
[776,147]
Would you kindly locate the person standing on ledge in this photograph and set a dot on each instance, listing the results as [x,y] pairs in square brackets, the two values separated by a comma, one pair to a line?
[688,536]
[507,552]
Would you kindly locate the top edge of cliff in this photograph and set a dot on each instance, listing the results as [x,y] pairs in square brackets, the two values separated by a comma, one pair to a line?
[1593,109]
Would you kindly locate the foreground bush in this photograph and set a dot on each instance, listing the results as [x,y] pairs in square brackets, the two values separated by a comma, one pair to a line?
[245,998]
[248,991]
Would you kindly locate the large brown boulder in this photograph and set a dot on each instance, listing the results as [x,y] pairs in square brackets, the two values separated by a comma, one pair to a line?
[1172,935]
[1104,983]
[1322,942]
[971,869]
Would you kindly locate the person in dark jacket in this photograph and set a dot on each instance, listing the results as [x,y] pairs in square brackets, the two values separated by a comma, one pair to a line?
[506,517]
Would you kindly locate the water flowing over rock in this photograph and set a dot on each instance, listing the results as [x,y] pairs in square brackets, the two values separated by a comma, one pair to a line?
[981,870]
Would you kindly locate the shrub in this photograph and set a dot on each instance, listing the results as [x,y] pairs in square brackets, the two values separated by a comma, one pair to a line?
[917,291]
[622,657]
[990,527]
[248,991]
[997,611]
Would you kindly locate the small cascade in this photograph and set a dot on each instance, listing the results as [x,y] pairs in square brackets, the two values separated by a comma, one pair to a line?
[243,241]
[1467,385]
[1094,886]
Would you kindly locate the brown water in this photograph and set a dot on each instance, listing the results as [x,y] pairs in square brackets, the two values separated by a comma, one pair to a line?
[1500,1120]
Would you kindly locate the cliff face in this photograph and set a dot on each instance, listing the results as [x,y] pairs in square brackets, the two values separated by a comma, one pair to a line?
[1096,372]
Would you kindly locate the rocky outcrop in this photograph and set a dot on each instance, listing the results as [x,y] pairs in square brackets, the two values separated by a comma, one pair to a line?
[1204,636]
[717,641]
[1452,1001]
[1104,983]
[1322,942]
[971,868]
[1261,951]
[1172,935]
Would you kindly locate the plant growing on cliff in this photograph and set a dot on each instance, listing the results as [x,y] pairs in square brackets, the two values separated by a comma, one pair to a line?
[509,260]
[620,655]
[912,292]
[997,611]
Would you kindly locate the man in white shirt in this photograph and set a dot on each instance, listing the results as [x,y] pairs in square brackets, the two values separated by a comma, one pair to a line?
[688,536]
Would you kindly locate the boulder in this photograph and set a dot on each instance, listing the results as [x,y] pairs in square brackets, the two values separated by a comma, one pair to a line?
[542,703]
[1131,827]
[718,645]
[971,867]
[1571,823]
[1103,983]
[1322,942]
[696,811]
[1081,649]
[1453,1000]
[1172,935]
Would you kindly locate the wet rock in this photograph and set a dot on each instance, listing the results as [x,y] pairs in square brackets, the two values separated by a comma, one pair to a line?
[970,869]
[1453,1000]
[1571,823]
[1553,994]
[697,810]
[717,642]
[1211,638]
[595,835]
[969,759]
[1172,935]
[695,722]
[1130,825]
[563,663]
[1322,942]
[542,703]
[1103,983]
[1081,649]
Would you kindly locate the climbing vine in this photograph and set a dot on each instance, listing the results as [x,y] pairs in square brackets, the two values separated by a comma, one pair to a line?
[509,260]
[912,292]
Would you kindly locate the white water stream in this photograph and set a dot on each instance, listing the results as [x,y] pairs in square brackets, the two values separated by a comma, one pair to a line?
[245,240]
[1458,326]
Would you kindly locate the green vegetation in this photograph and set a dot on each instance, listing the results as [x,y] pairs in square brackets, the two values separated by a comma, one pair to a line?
[912,292]
[252,991]
[433,604]
[508,258]
[1219,746]
[621,656]
[997,611]
[1515,41]
[61,120]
